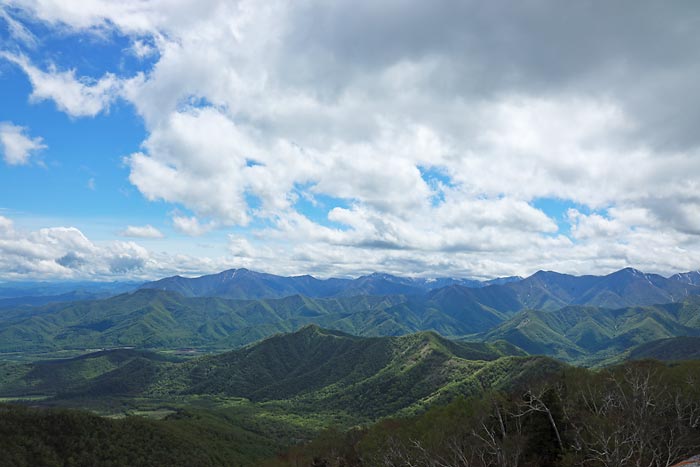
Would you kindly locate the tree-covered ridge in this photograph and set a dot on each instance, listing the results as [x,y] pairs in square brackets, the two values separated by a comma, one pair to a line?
[641,413]
[155,319]
[369,377]
[50,437]
[585,334]
[325,375]
[158,319]
[63,376]
[671,349]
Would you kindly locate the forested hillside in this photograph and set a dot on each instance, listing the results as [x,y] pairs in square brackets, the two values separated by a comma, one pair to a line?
[157,319]
[635,414]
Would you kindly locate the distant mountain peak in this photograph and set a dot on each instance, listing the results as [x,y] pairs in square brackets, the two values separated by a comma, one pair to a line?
[630,270]
[547,273]
[380,275]
[690,277]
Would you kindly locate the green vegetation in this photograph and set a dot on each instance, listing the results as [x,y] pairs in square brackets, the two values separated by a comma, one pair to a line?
[331,370]
[185,437]
[156,319]
[672,349]
[327,370]
[170,377]
[245,405]
[587,335]
[159,320]
[634,414]
[251,403]
[54,376]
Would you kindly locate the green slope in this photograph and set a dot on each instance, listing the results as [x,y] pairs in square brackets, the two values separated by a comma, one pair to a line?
[315,368]
[329,369]
[672,349]
[590,334]
[579,414]
[59,437]
[65,375]
[249,403]
[159,319]
[153,318]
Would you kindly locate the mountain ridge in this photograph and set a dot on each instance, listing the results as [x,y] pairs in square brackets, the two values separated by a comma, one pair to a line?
[152,318]
[541,290]
[372,376]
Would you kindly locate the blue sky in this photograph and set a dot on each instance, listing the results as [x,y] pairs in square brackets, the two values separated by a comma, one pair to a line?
[319,138]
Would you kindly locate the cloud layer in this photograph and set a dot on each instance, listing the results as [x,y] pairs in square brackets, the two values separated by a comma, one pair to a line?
[413,137]
[143,231]
[65,253]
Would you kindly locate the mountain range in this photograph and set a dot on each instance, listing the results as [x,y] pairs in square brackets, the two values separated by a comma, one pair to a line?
[542,290]
[369,376]
[249,363]
[246,284]
[578,319]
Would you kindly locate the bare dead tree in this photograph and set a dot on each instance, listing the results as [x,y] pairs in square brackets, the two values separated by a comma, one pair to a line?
[533,401]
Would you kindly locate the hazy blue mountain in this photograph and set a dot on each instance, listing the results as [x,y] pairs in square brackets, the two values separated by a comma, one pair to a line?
[158,318]
[46,289]
[691,277]
[246,284]
[501,280]
[38,300]
[543,290]
[547,290]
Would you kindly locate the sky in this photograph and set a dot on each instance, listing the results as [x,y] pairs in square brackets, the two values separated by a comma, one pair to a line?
[145,138]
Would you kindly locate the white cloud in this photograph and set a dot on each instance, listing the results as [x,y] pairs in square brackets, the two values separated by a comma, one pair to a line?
[585,226]
[66,253]
[197,158]
[142,49]
[17,29]
[143,231]
[62,253]
[17,147]
[6,225]
[78,97]
[354,102]
[191,226]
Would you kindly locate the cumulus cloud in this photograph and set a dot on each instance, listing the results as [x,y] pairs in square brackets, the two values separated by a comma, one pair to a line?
[191,226]
[143,231]
[430,129]
[584,226]
[17,147]
[62,253]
